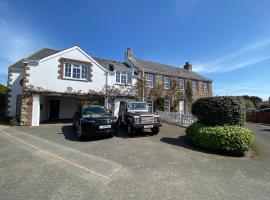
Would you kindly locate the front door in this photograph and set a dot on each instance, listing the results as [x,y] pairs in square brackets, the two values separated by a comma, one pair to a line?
[54,109]
[181,106]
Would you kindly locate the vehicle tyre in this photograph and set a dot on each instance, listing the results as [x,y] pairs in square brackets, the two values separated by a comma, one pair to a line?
[130,130]
[155,130]
[79,132]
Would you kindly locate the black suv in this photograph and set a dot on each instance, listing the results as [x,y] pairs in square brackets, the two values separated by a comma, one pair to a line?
[136,116]
[92,120]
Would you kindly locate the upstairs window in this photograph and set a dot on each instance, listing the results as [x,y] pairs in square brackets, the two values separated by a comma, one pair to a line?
[124,78]
[149,80]
[205,87]
[194,85]
[75,71]
[167,83]
[181,84]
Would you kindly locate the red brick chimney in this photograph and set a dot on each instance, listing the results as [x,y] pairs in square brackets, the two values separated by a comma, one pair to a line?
[188,66]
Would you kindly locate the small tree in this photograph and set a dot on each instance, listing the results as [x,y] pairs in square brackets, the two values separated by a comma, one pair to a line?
[188,96]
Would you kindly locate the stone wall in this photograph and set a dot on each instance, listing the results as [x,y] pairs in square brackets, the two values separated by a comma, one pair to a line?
[174,94]
[26,110]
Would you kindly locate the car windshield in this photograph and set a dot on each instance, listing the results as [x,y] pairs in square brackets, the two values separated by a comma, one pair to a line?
[137,106]
[94,110]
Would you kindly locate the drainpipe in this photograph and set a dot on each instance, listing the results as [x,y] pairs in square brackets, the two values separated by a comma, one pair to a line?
[106,91]
[143,83]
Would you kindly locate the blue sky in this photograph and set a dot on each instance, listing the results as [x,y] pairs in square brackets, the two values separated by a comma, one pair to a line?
[228,41]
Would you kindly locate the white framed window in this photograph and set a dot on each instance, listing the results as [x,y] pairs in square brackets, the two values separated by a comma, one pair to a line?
[150,80]
[123,77]
[194,85]
[75,71]
[181,84]
[205,87]
[67,70]
[150,104]
[167,105]
[167,83]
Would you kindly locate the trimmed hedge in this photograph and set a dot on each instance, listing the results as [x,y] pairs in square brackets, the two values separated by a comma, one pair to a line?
[222,139]
[220,110]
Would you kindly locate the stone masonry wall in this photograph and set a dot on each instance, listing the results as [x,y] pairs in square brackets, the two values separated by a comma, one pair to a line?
[26,110]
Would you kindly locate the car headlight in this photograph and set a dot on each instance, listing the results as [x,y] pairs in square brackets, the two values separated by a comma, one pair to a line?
[157,120]
[137,120]
[113,120]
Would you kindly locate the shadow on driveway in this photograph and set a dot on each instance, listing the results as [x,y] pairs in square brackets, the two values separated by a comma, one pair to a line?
[182,142]
[69,133]
[266,130]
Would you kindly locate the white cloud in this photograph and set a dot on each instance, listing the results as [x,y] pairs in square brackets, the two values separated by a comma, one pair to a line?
[17,39]
[243,57]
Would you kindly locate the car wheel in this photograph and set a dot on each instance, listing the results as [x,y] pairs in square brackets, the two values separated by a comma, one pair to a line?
[130,130]
[155,130]
[79,132]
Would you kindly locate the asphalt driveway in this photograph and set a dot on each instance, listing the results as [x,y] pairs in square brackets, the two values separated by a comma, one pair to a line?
[48,162]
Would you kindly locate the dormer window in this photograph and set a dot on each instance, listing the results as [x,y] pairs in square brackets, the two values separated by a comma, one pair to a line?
[123,77]
[75,71]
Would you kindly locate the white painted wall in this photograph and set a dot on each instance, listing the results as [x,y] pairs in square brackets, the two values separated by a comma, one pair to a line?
[45,74]
[36,110]
[16,89]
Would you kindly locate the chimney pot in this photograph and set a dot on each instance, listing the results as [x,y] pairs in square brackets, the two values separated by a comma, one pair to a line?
[188,66]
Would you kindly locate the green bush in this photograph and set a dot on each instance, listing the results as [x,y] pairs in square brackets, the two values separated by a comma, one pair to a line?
[222,139]
[220,110]
[14,122]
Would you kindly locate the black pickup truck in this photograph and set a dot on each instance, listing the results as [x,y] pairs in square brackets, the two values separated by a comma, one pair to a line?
[136,116]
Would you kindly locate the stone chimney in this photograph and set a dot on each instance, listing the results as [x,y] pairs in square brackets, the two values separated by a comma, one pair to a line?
[188,66]
[129,53]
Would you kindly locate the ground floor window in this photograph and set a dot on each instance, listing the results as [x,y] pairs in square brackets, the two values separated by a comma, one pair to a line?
[167,106]
[150,104]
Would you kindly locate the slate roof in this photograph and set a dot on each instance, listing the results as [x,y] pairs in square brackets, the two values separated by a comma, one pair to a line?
[35,56]
[106,63]
[164,69]
[139,63]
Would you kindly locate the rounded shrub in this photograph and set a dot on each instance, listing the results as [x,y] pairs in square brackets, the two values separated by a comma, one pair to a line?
[220,110]
[223,139]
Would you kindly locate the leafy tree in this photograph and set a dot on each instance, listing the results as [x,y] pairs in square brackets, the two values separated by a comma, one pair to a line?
[256,100]
[3,89]
[249,103]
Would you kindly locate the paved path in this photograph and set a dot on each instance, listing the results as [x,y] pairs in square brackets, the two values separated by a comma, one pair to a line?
[48,162]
